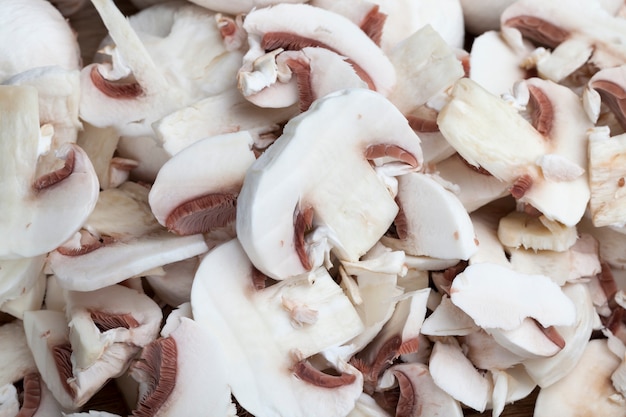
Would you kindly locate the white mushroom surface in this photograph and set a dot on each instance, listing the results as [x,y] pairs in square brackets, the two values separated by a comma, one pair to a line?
[340,208]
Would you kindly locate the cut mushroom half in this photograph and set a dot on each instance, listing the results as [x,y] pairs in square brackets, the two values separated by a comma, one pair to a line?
[39,213]
[196,191]
[315,190]
[271,341]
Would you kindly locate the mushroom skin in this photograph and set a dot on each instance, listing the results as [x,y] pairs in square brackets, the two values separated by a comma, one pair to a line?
[349,207]
[40,213]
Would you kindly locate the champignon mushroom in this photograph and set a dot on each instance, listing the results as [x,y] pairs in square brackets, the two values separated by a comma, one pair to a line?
[279,205]
[40,213]
[212,171]
[292,27]
[16,360]
[271,339]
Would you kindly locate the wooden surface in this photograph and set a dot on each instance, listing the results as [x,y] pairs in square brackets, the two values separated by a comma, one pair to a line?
[91,31]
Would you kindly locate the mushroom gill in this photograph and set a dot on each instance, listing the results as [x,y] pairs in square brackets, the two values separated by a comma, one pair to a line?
[308,373]
[115,89]
[373,23]
[539,30]
[157,366]
[58,175]
[303,222]
[62,359]
[106,321]
[32,395]
[542,114]
[203,214]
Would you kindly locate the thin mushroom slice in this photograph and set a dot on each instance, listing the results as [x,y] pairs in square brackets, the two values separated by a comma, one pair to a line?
[455,374]
[271,340]
[587,387]
[518,229]
[608,86]
[292,27]
[114,315]
[17,360]
[191,352]
[419,394]
[124,260]
[31,299]
[448,320]
[431,221]
[17,276]
[40,213]
[499,297]
[196,190]
[287,218]
[173,284]
[571,30]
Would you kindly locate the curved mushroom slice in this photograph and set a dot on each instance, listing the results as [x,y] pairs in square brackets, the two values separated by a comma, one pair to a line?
[31,299]
[546,371]
[219,114]
[212,172]
[448,320]
[38,400]
[509,386]
[119,261]
[425,66]
[485,353]
[136,91]
[287,218]
[431,221]
[167,365]
[572,31]
[499,297]
[540,163]
[455,374]
[270,338]
[498,77]
[587,387]
[606,178]
[519,229]
[608,86]
[17,276]
[292,27]
[529,339]
[32,49]
[103,318]
[419,395]
[16,360]
[173,285]
[39,213]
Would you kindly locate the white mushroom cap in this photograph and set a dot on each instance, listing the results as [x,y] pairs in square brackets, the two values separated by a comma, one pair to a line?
[350,206]
[42,213]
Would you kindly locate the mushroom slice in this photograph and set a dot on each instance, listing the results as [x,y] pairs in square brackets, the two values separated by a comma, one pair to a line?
[271,338]
[571,31]
[529,339]
[587,387]
[173,285]
[547,371]
[431,221]
[39,213]
[425,65]
[509,386]
[519,229]
[119,261]
[608,86]
[419,394]
[16,360]
[292,27]
[166,365]
[539,163]
[32,50]
[111,316]
[607,157]
[17,276]
[448,320]
[222,113]
[212,171]
[485,353]
[455,374]
[38,400]
[31,299]
[287,218]
[499,297]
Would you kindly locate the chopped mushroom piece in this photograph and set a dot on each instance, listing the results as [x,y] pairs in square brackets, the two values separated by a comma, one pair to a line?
[18,276]
[587,387]
[16,360]
[519,229]
[271,339]
[288,219]
[39,213]
[191,353]
[196,191]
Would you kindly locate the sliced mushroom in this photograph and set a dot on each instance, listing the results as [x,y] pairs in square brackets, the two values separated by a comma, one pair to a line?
[18,276]
[588,386]
[292,27]
[213,171]
[431,221]
[16,360]
[173,285]
[518,229]
[31,299]
[286,220]
[509,386]
[270,339]
[32,49]
[166,366]
[448,320]
[40,213]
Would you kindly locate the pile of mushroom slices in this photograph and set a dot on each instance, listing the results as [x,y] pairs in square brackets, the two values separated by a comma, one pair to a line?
[323,208]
